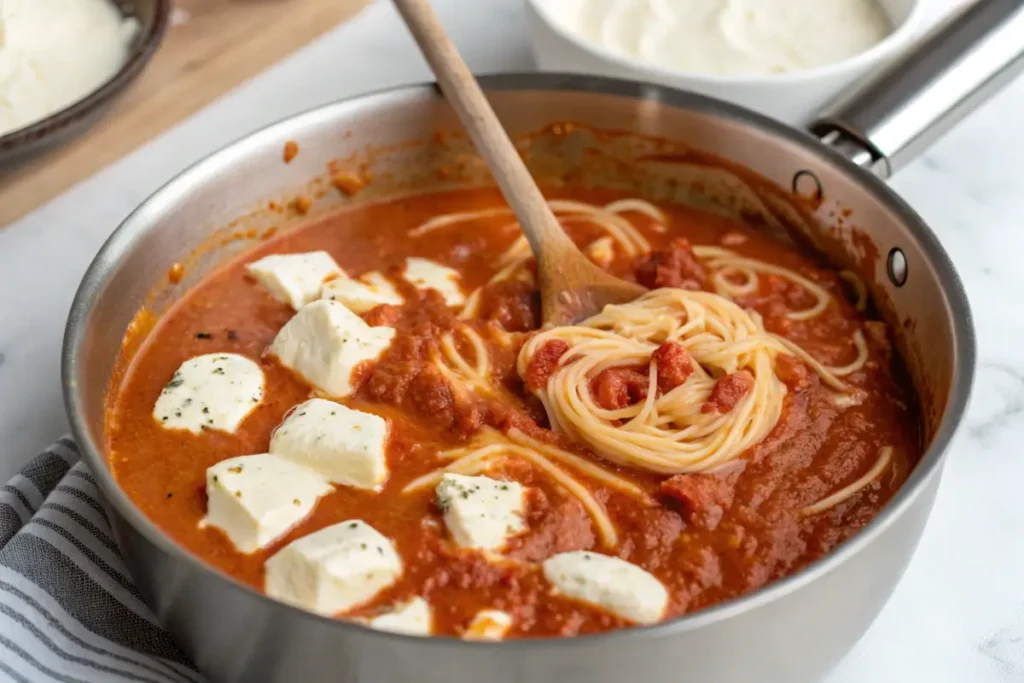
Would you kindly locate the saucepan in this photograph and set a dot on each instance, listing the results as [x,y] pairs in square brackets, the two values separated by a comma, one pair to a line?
[827,185]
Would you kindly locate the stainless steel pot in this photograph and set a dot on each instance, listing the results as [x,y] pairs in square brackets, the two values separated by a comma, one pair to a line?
[790,632]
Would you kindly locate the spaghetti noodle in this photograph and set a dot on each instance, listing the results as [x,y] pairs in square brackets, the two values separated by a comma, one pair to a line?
[459,370]
[620,237]
[671,432]
[725,263]
[492,448]
[847,492]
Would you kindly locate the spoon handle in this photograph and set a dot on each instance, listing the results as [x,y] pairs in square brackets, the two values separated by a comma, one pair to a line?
[463,93]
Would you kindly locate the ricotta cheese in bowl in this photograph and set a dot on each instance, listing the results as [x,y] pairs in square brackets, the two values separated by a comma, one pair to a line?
[55,52]
[728,37]
[785,59]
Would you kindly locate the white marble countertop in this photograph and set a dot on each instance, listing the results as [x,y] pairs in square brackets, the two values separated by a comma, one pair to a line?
[958,616]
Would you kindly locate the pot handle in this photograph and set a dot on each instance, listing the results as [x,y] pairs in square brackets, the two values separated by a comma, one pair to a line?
[890,119]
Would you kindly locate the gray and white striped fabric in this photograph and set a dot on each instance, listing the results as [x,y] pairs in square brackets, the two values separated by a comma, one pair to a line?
[68,609]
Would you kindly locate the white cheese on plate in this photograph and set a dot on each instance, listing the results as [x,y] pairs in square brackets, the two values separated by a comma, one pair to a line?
[214,391]
[256,499]
[334,569]
[615,585]
[425,274]
[325,341]
[345,446]
[481,512]
[295,279]
[413,619]
[489,624]
[362,295]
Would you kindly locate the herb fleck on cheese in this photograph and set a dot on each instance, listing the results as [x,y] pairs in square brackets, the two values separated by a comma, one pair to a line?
[481,512]
[212,391]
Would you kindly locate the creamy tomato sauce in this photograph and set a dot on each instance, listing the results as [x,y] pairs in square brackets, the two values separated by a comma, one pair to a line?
[706,539]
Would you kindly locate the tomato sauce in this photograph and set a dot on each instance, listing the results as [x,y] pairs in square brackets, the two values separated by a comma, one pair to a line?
[708,540]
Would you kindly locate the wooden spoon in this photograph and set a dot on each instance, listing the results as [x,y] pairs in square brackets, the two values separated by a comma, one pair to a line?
[571,287]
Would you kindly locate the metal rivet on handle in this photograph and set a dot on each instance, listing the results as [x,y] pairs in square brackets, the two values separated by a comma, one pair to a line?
[897,266]
[807,185]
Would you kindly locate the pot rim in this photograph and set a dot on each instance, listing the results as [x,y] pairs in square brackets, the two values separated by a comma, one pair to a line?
[136,225]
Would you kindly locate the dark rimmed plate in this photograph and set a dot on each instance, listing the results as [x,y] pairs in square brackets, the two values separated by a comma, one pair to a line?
[58,128]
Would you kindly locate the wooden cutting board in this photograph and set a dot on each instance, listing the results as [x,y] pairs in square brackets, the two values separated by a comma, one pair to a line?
[212,46]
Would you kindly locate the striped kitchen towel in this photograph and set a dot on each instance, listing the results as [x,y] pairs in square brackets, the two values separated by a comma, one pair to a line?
[69,611]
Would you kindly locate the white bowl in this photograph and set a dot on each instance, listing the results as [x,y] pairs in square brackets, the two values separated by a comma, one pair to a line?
[793,97]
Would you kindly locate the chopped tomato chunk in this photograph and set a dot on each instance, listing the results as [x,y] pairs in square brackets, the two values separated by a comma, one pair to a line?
[674,365]
[793,372]
[616,388]
[514,305]
[544,362]
[701,497]
[676,266]
[728,391]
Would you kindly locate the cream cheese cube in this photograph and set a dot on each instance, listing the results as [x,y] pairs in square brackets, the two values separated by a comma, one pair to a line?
[256,499]
[334,569]
[426,274]
[214,391]
[295,279]
[601,251]
[481,512]
[345,446]
[324,342]
[413,618]
[489,624]
[364,294]
[615,585]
